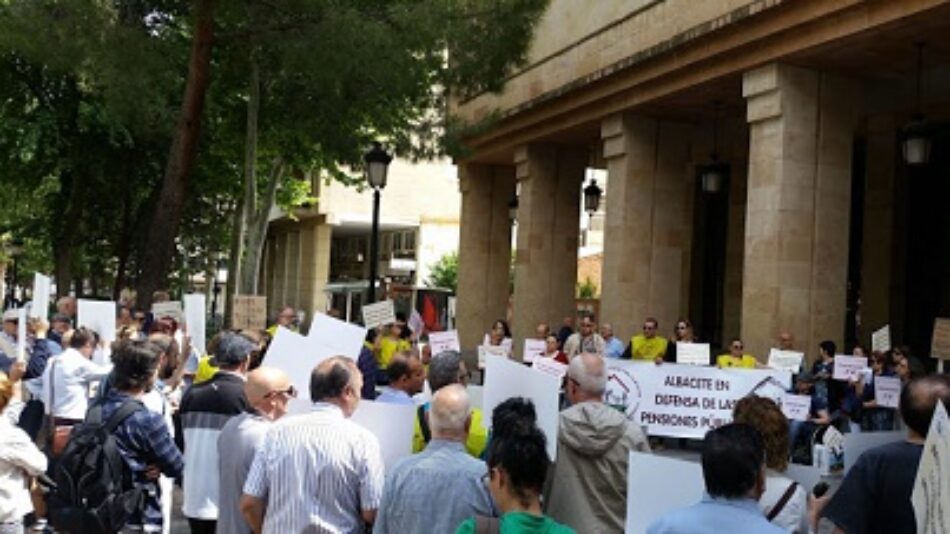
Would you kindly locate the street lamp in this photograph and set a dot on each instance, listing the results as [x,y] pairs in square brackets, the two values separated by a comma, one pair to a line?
[916,143]
[712,175]
[592,195]
[513,209]
[14,249]
[220,280]
[377,167]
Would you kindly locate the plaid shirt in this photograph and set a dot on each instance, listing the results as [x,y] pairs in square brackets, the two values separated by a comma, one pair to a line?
[143,440]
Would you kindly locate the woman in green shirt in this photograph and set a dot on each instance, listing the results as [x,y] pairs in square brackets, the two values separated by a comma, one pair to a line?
[517,464]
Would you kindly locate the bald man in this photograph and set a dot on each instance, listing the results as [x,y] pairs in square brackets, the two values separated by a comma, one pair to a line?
[443,473]
[268,391]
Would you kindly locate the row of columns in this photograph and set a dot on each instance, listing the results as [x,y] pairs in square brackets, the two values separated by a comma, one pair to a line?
[794,263]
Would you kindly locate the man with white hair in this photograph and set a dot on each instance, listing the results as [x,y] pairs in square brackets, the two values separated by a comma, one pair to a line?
[444,473]
[587,486]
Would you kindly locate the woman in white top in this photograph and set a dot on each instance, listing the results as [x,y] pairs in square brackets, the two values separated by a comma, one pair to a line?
[70,374]
[19,461]
[784,502]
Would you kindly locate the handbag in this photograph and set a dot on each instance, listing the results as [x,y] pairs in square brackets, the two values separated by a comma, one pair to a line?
[57,436]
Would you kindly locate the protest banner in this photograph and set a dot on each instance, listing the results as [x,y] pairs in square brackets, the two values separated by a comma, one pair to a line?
[195,320]
[99,316]
[932,485]
[848,368]
[41,289]
[333,337]
[881,339]
[392,424]
[484,351]
[940,344]
[786,360]
[21,335]
[533,349]
[692,353]
[379,314]
[443,341]
[415,323]
[505,378]
[170,308]
[685,400]
[887,391]
[550,366]
[657,485]
[249,312]
[796,407]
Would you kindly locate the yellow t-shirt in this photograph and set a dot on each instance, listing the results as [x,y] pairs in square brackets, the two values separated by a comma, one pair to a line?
[474,445]
[205,370]
[388,347]
[650,349]
[747,361]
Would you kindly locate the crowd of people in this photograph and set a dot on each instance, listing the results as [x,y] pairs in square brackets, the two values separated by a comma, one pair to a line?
[151,411]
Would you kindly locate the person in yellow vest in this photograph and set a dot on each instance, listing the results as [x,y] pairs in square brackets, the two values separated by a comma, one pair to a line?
[647,346]
[448,368]
[287,317]
[390,344]
[736,357]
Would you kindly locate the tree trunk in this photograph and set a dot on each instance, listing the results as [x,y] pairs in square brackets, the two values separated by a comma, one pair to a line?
[123,247]
[249,202]
[234,264]
[66,231]
[257,232]
[168,210]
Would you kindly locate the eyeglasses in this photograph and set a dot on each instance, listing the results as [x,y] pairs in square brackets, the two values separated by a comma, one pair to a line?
[737,347]
[289,392]
[682,327]
[647,327]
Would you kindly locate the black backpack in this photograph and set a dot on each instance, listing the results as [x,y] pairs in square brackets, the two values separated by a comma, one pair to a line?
[94,491]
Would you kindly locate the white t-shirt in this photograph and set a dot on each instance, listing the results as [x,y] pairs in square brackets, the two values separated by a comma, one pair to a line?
[794,515]
[73,374]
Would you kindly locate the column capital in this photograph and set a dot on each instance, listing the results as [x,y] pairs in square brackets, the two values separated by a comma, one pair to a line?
[616,129]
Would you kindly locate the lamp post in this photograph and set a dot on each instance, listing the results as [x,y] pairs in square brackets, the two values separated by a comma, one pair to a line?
[220,279]
[713,174]
[592,195]
[513,209]
[377,166]
[14,249]
[916,143]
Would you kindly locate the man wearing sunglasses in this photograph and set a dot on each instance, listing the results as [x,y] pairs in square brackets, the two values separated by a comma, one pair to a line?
[647,346]
[268,391]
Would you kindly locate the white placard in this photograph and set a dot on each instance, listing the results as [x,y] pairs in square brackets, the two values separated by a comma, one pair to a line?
[533,349]
[484,351]
[171,309]
[692,353]
[786,360]
[21,335]
[415,323]
[99,316]
[334,337]
[657,485]
[443,341]
[379,314]
[505,378]
[41,290]
[881,339]
[392,424]
[551,367]
[932,485]
[796,407]
[685,401]
[887,391]
[195,320]
[848,368]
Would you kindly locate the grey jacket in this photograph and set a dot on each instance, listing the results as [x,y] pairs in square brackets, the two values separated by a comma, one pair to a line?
[586,487]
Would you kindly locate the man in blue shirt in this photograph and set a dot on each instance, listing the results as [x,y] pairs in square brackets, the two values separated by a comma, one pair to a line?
[442,473]
[733,461]
[406,378]
[613,347]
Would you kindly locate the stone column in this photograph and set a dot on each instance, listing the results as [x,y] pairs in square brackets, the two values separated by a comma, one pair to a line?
[548,227]
[648,223]
[801,128]
[314,266]
[484,249]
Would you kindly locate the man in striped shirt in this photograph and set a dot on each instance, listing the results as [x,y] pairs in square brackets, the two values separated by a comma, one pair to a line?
[318,472]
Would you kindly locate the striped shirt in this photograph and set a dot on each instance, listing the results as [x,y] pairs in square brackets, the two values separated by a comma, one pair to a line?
[316,473]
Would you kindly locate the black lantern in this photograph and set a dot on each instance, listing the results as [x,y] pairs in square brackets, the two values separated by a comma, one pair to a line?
[377,167]
[916,143]
[713,175]
[592,194]
[513,208]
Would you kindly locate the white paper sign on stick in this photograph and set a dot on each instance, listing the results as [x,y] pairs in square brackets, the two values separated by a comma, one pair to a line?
[932,485]
[171,309]
[295,355]
[887,391]
[195,320]
[21,335]
[881,339]
[796,407]
[443,341]
[415,323]
[484,351]
[550,366]
[849,368]
[787,360]
[41,289]
[940,344]
[392,424]
[333,337]
[533,349]
[379,314]
[657,485]
[99,316]
[692,353]
[505,378]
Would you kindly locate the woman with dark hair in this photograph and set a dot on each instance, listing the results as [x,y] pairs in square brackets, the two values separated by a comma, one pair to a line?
[500,334]
[875,418]
[682,333]
[517,466]
[910,368]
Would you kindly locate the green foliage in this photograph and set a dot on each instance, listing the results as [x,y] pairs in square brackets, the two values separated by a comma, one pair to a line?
[587,289]
[445,272]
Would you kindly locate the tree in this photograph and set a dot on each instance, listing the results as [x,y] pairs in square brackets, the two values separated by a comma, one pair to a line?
[445,272]
[587,289]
